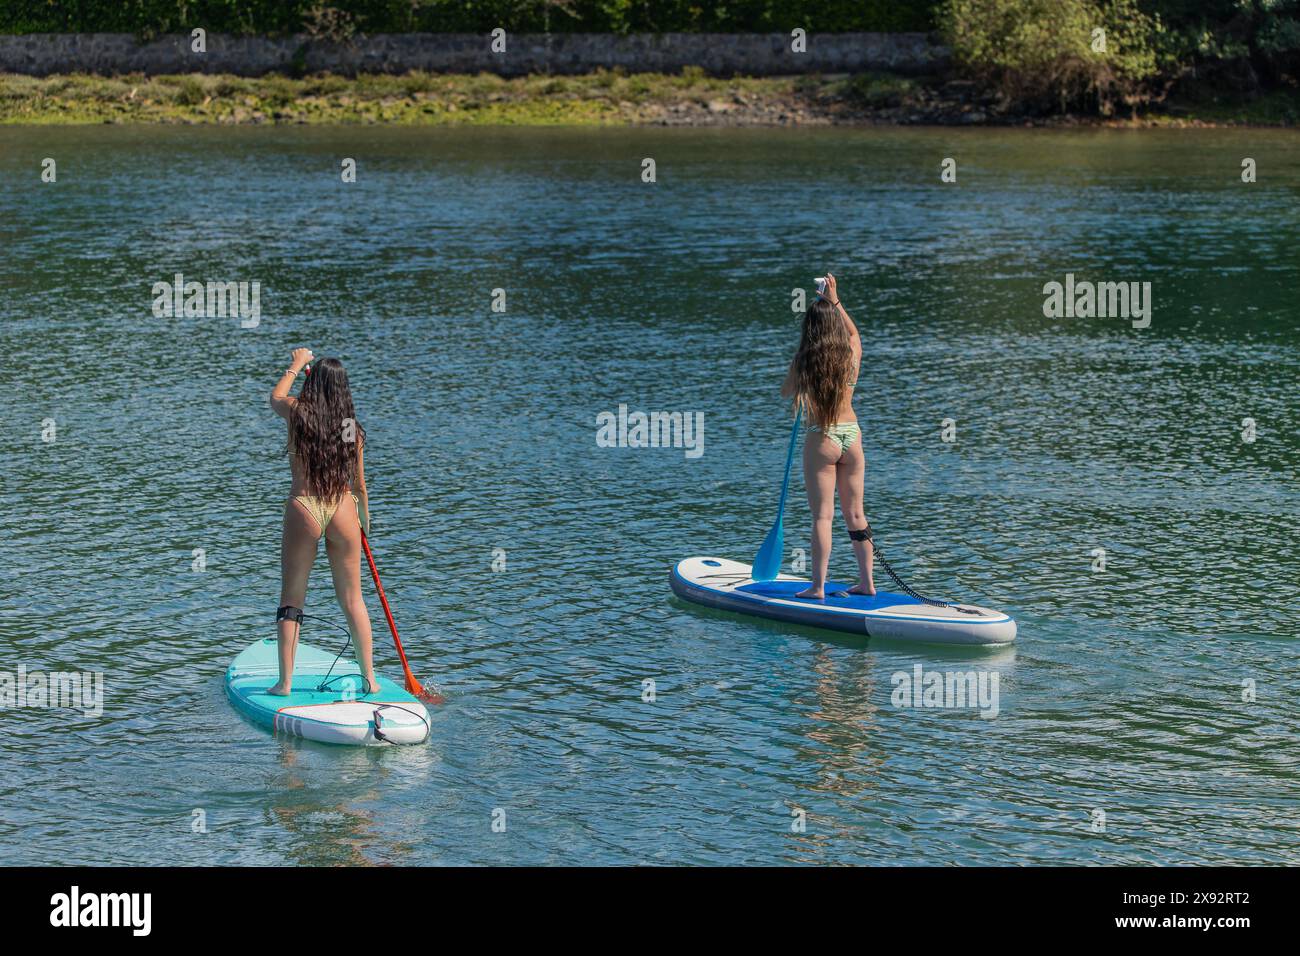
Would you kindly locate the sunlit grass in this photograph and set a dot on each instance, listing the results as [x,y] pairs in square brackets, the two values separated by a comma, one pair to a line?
[415,98]
[418,98]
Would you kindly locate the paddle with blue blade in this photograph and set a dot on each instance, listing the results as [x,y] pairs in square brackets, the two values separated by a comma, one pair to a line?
[767,564]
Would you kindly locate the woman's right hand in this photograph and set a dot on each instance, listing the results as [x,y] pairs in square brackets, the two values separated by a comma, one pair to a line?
[301,357]
[831,295]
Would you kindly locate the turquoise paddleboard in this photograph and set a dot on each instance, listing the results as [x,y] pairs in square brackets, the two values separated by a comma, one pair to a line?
[339,714]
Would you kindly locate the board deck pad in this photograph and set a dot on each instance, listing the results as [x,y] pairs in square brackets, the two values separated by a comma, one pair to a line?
[340,714]
[836,594]
[727,585]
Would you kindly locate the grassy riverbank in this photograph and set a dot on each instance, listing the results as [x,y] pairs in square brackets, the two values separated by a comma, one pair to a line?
[605,97]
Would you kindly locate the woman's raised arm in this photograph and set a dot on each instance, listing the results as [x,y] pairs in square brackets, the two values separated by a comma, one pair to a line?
[281,401]
[832,295]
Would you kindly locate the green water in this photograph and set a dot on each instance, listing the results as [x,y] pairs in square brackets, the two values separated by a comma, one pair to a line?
[1160,691]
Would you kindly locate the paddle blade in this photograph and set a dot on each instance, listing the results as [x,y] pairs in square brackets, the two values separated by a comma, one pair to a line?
[767,563]
[416,690]
[412,685]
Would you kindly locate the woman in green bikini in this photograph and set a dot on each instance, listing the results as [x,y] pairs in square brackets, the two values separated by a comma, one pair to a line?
[820,381]
[327,499]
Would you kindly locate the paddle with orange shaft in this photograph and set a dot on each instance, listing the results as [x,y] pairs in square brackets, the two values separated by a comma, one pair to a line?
[412,685]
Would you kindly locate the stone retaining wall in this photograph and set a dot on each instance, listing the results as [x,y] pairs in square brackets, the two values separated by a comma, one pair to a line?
[41,54]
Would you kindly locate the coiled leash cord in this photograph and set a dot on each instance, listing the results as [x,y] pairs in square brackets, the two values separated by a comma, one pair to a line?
[296,614]
[866,535]
[912,592]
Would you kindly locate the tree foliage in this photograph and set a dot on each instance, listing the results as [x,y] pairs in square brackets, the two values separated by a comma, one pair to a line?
[1057,54]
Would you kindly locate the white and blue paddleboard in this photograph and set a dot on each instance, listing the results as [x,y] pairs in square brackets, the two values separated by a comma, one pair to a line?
[729,586]
[339,714]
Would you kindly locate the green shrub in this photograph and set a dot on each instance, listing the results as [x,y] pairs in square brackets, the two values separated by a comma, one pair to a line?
[692,76]
[191,92]
[416,82]
[278,92]
[229,86]
[878,89]
[1062,54]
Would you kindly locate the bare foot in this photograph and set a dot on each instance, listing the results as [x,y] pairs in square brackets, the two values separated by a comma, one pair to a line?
[280,689]
[867,590]
[372,684]
[817,594]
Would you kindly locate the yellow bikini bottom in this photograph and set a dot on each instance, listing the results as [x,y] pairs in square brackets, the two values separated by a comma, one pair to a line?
[322,509]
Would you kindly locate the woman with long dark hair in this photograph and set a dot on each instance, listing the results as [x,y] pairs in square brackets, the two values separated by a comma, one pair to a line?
[327,499]
[820,381]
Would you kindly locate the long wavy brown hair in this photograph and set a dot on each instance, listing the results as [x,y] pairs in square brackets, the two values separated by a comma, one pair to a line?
[319,431]
[822,368]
